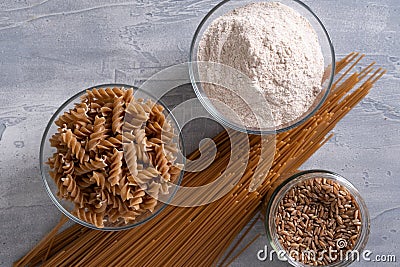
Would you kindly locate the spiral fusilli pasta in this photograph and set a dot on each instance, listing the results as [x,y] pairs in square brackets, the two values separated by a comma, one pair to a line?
[115,167]
[98,132]
[131,158]
[74,191]
[91,165]
[117,115]
[72,143]
[114,155]
[89,216]
[161,162]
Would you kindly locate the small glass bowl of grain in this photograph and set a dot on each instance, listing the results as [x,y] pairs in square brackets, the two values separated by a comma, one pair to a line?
[316,218]
[216,104]
[98,157]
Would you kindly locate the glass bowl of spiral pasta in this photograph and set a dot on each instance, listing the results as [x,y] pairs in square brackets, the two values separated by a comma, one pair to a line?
[111,157]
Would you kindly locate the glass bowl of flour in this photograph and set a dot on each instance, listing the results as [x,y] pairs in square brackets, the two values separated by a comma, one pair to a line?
[261,67]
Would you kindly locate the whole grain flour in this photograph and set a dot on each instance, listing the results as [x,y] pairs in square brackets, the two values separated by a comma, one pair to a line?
[276,48]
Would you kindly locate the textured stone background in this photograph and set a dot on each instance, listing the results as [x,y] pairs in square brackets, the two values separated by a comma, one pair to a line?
[51,49]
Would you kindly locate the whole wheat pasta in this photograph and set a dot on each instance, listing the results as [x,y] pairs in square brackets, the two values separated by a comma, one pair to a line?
[90,217]
[136,115]
[99,178]
[118,115]
[103,95]
[83,131]
[146,175]
[60,184]
[131,159]
[199,236]
[74,192]
[125,189]
[72,143]
[68,166]
[161,162]
[148,203]
[136,198]
[77,116]
[98,132]
[55,162]
[89,166]
[115,167]
[110,143]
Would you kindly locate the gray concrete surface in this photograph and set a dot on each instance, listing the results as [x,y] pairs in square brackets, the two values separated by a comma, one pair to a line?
[51,49]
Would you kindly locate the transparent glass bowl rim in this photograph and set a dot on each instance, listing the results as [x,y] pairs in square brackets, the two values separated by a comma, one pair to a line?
[42,160]
[216,114]
[318,173]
